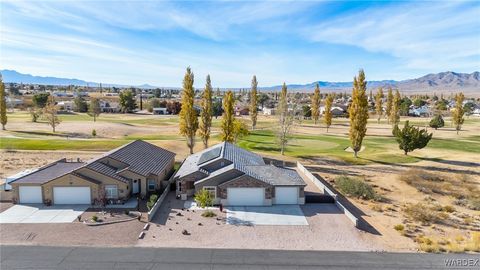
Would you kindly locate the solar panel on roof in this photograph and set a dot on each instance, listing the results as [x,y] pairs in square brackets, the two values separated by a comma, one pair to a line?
[209,155]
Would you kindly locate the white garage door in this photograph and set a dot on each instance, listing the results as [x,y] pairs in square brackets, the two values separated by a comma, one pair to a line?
[71,195]
[245,196]
[30,194]
[286,195]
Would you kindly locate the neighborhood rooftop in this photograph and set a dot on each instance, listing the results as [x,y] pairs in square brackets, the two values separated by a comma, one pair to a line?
[272,175]
[223,150]
[49,172]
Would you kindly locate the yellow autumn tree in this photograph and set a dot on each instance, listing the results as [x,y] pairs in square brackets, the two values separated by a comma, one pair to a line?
[358,112]
[457,115]
[188,115]
[254,102]
[228,118]
[316,104]
[327,116]
[395,111]
[379,104]
[207,112]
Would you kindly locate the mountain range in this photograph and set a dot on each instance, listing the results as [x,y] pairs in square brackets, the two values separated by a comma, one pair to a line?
[443,81]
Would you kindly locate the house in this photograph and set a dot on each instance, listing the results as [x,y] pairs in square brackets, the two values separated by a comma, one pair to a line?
[66,106]
[135,168]
[336,111]
[239,110]
[235,176]
[268,111]
[420,111]
[109,107]
[160,111]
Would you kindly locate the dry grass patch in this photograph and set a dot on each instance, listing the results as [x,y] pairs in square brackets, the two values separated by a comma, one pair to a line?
[356,187]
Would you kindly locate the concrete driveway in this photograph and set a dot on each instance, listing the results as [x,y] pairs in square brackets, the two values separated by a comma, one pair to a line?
[34,213]
[266,215]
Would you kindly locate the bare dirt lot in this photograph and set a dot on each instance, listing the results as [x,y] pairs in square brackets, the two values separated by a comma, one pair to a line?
[328,229]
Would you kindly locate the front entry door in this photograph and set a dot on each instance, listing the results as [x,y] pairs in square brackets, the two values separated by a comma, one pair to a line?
[136,186]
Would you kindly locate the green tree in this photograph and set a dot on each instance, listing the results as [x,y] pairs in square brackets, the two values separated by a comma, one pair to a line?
[3,104]
[188,115]
[442,105]
[94,109]
[262,99]
[379,104]
[207,112]
[358,112]
[410,138]
[395,111]
[388,109]
[418,102]
[327,116]
[254,102]
[228,119]
[316,104]
[437,122]
[80,105]
[307,112]
[240,130]
[217,108]
[40,100]
[457,115]
[127,101]
[405,104]
[50,113]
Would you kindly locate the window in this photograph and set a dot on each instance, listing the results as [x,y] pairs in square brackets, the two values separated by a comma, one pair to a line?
[212,191]
[111,191]
[151,184]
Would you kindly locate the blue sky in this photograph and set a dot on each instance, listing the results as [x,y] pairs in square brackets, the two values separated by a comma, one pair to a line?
[136,42]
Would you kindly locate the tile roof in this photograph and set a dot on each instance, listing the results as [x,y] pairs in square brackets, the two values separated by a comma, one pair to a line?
[273,175]
[106,170]
[244,161]
[49,172]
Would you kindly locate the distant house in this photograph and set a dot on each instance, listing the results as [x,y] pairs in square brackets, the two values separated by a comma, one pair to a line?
[241,110]
[62,94]
[268,111]
[420,111]
[110,94]
[336,111]
[66,106]
[13,102]
[109,107]
[160,111]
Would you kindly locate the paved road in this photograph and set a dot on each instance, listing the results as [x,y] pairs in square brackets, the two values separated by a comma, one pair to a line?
[38,257]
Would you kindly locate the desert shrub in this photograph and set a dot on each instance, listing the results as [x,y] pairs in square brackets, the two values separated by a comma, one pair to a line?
[356,187]
[208,213]
[94,132]
[94,218]
[422,213]
[473,203]
[153,198]
[203,198]
[399,227]
[448,209]
[454,247]
[377,207]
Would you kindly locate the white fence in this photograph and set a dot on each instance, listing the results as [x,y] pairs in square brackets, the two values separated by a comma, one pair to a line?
[328,191]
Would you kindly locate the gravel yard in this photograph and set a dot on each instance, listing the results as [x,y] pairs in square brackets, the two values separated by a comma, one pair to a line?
[327,229]
[71,234]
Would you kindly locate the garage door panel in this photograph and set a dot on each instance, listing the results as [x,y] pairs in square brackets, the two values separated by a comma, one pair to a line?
[30,194]
[286,195]
[72,195]
[245,196]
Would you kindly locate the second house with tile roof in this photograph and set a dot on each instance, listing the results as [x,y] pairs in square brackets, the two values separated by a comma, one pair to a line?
[134,169]
[237,177]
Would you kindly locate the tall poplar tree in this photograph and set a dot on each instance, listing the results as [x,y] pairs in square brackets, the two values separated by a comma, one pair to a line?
[228,118]
[327,116]
[286,119]
[3,104]
[395,111]
[254,102]
[458,113]
[358,112]
[379,104]
[207,112]
[188,115]
[94,109]
[388,109]
[316,104]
